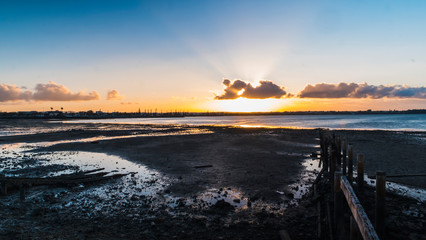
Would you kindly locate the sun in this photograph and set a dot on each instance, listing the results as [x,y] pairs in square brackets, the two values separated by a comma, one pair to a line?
[247,105]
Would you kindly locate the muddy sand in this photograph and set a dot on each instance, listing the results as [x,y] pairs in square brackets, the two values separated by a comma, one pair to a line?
[204,182]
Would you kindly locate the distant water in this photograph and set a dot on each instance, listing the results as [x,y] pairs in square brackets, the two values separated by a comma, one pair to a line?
[402,122]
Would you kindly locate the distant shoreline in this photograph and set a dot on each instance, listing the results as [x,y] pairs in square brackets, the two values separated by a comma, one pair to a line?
[106,115]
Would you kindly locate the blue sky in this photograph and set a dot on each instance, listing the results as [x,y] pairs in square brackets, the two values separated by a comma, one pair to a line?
[178,52]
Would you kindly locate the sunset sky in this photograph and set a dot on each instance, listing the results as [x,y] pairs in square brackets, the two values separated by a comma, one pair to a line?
[212,55]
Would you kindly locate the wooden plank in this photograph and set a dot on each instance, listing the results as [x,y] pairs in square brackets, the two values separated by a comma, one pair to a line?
[361,218]
[354,231]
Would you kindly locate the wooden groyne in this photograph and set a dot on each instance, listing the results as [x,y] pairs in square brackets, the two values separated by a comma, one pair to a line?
[341,215]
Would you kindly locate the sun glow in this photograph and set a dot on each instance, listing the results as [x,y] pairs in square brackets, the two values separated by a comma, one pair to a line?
[247,105]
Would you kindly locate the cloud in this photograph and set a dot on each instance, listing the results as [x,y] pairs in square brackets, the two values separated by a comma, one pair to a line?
[231,90]
[354,90]
[13,93]
[239,88]
[325,90]
[56,92]
[266,89]
[44,92]
[114,95]
[128,103]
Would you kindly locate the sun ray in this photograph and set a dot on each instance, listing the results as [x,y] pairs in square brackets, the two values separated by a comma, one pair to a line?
[247,105]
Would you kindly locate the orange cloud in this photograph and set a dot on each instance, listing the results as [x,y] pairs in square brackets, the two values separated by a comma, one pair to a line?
[44,92]
[128,103]
[266,89]
[114,95]
[355,90]
[13,93]
[56,92]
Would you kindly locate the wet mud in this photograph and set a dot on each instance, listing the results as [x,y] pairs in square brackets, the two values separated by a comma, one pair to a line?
[183,182]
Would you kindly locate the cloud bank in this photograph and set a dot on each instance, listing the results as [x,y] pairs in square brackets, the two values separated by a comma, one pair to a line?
[114,95]
[56,92]
[266,89]
[354,90]
[13,93]
[44,92]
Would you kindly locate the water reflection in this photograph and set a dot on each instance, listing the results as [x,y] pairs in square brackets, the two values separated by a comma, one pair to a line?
[404,122]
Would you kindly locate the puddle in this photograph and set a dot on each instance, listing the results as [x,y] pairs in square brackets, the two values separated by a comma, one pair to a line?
[309,173]
[408,191]
[233,197]
[14,156]
[299,144]
[294,154]
[139,186]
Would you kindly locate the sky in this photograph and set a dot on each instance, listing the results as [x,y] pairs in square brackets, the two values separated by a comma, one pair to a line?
[212,55]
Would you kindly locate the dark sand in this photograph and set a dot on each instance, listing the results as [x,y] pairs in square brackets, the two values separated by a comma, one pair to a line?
[259,163]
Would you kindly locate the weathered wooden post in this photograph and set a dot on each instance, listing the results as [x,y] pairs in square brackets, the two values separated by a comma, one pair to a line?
[319,227]
[325,152]
[332,163]
[345,151]
[330,157]
[339,151]
[350,163]
[360,171]
[380,202]
[338,205]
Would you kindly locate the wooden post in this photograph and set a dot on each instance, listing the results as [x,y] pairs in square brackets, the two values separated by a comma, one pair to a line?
[380,202]
[338,205]
[330,157]
[329,220]
[345,150]
[332,168]
[318,212]
[354,230]
[360,171]
[325,153]
[3,188]
[339,151]
[333,162]
[350,163]
[21,192]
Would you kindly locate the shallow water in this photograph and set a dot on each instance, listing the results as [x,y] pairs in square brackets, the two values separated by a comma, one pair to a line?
[408,191]
[402,122]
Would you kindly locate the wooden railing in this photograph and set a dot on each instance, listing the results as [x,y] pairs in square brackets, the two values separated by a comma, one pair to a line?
[337,160]
[363,222]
